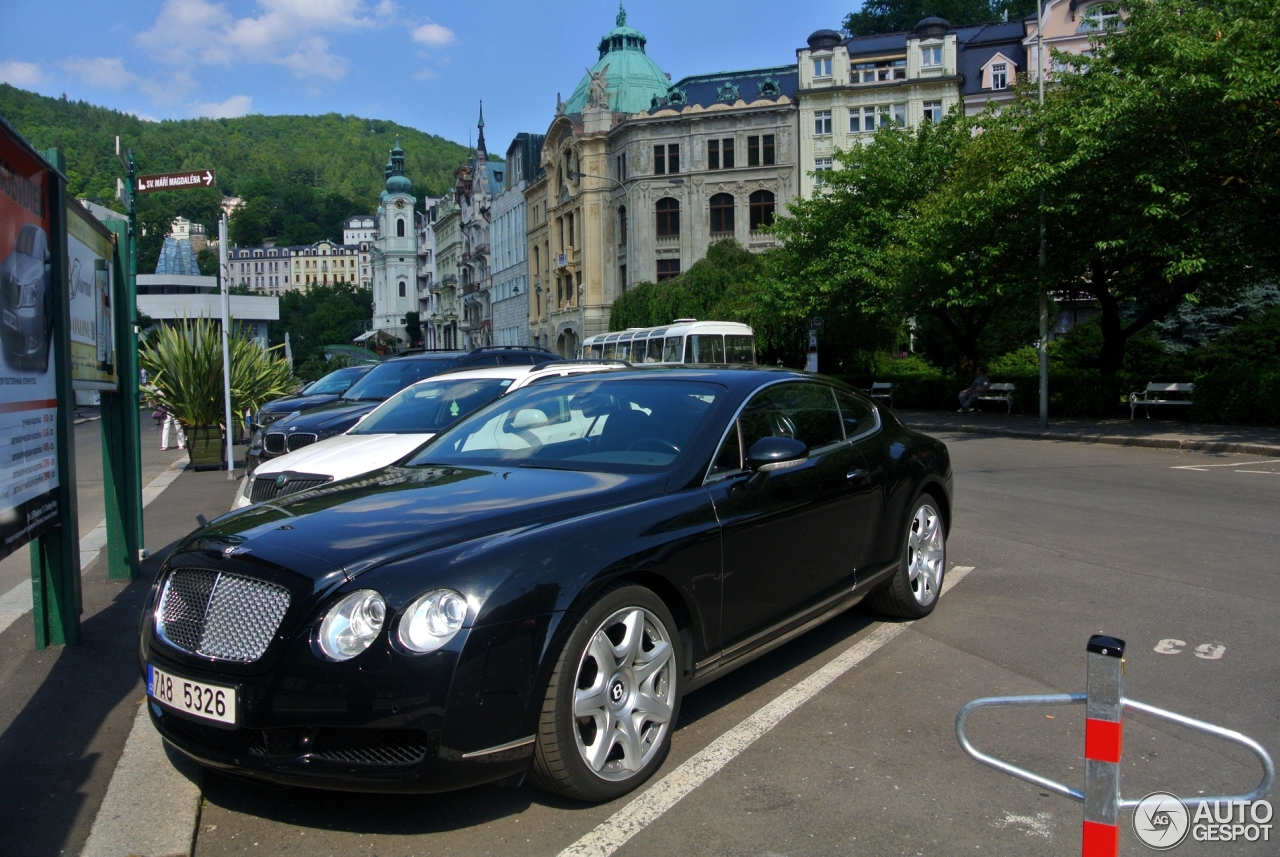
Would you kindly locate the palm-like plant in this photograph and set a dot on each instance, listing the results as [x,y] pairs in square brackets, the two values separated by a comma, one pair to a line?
[184,365]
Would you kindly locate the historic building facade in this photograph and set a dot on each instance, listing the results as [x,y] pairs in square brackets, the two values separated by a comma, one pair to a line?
[394,254]
[641,175]
[852,87]
[510,289]
[444,289]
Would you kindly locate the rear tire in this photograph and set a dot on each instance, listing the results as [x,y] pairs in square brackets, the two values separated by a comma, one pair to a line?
[612,701]
[912,592]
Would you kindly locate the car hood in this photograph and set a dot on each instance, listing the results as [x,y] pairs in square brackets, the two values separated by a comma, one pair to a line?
[281,407]
[339,416]
[397,511]
[346,455]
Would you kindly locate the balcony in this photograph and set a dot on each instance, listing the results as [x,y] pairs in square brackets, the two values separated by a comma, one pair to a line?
[664,241]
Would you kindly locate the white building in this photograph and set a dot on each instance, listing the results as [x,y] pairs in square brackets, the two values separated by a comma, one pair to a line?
[510,289]
[394,253]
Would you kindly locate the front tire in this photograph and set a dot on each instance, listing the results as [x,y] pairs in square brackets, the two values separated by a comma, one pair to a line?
[912,592]
[612,700]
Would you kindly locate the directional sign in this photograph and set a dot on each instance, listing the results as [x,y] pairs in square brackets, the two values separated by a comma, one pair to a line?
[175,181]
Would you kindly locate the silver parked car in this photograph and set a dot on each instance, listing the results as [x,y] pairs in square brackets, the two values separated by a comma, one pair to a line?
[26,301]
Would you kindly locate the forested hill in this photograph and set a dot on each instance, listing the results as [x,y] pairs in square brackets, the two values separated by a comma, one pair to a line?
[344,155]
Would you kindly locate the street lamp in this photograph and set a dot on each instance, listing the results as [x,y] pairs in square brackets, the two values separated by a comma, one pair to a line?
[1044,295]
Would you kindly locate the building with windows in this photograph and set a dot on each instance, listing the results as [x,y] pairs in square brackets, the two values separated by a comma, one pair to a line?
[361,231]
[444,289]
[852,87]
[1068,27]
[510,289]
[394,253]
[263,269]
[184,230]
[640,175]
[427,298]
[324,263]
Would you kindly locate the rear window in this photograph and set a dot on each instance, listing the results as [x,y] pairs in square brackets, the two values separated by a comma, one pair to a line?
[337,382]
[430,406]
[387,379]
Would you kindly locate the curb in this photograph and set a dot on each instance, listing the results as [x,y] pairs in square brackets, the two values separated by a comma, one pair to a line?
[1115,440]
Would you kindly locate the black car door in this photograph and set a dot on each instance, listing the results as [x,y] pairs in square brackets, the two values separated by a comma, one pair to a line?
[862,427]
[791,538]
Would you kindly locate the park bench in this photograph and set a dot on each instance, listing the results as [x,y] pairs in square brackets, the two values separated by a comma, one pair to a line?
[999,393]
[1159,394]
[881,391]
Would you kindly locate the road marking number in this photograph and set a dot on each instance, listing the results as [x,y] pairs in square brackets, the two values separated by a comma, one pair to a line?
[1207,651]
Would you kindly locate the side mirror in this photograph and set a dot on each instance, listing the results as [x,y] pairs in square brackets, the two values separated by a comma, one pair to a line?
[776,453]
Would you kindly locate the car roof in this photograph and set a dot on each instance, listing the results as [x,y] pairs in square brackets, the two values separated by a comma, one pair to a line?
[741,379]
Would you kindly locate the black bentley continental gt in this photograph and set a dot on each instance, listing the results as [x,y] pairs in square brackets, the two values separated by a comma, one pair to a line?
[535,589]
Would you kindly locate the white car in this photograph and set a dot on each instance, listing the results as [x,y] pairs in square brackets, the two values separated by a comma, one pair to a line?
[397,427]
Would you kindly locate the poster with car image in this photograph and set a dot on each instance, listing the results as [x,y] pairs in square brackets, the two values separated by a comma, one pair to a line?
[28,389]
[89,284]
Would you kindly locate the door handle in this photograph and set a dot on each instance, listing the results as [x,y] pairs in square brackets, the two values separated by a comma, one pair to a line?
[857,475]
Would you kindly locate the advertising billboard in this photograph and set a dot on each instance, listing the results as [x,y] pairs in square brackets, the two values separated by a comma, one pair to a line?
[28,388]
[90,287]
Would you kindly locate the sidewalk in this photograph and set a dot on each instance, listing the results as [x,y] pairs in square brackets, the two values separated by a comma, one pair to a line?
[66,712]
[1158,433]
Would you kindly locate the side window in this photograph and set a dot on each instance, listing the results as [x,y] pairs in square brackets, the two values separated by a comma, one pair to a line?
[729,458]
[859,417]
[517,359]
[485,360]
[804,411]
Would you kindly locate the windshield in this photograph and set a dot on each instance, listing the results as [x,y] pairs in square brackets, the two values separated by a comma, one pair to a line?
[337,381]
[387,379]
[431,405]
[594,424]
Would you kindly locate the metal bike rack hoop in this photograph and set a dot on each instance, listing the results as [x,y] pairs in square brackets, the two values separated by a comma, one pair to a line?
[1008,767]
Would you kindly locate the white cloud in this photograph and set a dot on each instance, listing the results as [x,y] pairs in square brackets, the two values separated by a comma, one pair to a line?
[284,32]
[434,35]
[236,105]
[425,74]
[18,73]
[102,72]
[145,117]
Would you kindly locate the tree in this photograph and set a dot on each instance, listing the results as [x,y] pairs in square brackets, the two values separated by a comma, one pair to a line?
[320,316]
[895,16]
[1161,162]
[207,260]
[413,328]
[895,234]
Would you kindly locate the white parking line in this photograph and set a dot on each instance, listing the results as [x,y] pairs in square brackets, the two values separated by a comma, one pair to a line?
[18,601]
[614,832]
[1204,468]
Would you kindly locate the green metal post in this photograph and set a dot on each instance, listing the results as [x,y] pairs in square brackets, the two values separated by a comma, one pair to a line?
[121,464]
[55,554]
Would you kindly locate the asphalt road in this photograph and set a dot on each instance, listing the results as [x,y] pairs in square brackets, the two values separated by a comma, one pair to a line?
[1172,551]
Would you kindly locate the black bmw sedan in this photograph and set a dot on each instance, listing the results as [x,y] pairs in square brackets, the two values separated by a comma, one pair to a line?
[535,589]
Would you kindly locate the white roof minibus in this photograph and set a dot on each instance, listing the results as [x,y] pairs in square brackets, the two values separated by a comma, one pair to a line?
[683,341]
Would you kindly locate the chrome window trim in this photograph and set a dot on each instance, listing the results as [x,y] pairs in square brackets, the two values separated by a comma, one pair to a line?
[875,412]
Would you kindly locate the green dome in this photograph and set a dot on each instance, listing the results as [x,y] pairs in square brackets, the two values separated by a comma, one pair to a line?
[397,181]
[632,78]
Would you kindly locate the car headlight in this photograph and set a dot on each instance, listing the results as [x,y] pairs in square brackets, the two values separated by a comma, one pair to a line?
[432,620]
[352,625]
[27,296]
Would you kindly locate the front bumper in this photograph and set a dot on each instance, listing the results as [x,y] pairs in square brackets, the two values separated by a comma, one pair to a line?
[22,330]
[384,721]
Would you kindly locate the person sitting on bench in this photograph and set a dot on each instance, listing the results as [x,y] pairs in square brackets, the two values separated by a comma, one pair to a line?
[977,388]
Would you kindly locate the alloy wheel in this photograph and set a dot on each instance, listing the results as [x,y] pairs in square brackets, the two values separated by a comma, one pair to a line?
[926,554]
[624,694]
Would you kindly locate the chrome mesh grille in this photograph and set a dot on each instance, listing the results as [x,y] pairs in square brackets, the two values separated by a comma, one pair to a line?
[273,443]
[298,441]
[220,615]
[265,487]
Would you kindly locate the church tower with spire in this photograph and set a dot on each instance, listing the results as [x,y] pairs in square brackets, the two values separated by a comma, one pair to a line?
[395,251]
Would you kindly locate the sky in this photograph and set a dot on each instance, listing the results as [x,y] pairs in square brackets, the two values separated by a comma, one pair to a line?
[427,65]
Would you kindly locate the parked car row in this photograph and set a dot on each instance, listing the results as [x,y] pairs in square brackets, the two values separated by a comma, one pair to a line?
[520,571]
